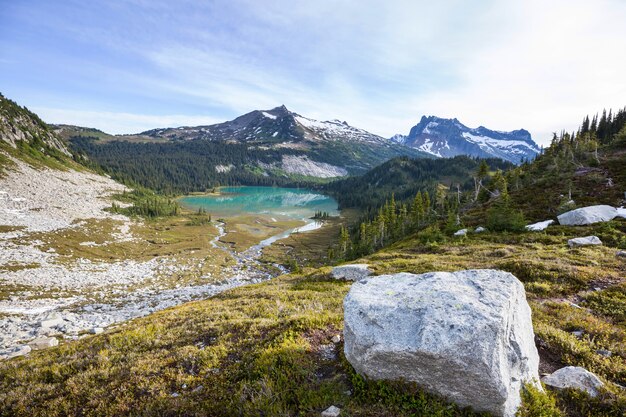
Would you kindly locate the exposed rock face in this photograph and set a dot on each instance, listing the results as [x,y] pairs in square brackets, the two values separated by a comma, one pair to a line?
[449,137]
[466,335]
[588,215]
[304,166]
[574,377]
[584,241]
[353,272]
[538,227]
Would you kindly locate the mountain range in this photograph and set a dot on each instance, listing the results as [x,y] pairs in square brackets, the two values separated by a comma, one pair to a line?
[448,138]
[280,146]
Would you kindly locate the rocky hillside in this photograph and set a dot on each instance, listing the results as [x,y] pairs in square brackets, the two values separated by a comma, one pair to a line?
[449,137]
[24,136]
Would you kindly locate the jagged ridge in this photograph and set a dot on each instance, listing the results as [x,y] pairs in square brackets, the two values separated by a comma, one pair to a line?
[449,137]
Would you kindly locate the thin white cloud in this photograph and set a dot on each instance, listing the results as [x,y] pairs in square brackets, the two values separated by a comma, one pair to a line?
[378,65]
[119,123]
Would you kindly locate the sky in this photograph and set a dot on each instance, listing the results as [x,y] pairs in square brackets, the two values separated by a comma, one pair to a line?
[129,66]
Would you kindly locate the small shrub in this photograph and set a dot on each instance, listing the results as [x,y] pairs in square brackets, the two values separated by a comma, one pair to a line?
[610,302]
[536,403]
[503,217]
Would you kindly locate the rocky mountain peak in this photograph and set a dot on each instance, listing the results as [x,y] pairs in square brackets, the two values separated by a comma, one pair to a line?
[449,137]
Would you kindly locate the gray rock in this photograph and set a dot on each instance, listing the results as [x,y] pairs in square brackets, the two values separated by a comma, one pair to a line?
[352,272]
[43,343]
[604,352]
[578,333]
[621,254]
[53,320]
[480,229]
[96,330]
[538,227]
[588,215]
[331,411]
[336,339]
[466,335]
[18,351]
[584,241]
[461,232]
[574,377]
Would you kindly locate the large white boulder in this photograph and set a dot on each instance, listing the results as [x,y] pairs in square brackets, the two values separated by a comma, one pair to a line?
[352,272]
[466,335]
[584,241]
[574,377]
[540,226]
[461,232]
[588,215]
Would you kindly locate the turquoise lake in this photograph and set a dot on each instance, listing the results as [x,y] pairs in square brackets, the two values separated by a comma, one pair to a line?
[297,203]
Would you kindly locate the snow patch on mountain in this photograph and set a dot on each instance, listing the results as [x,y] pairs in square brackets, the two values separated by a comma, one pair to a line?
[337,130]
[398,138]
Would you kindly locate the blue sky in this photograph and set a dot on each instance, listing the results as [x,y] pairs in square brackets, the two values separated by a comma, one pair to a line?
[127,66]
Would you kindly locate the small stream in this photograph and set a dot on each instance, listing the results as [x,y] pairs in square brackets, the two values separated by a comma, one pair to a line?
[88,316]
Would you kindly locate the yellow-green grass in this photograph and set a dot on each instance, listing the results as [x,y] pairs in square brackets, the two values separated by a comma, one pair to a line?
[256,350]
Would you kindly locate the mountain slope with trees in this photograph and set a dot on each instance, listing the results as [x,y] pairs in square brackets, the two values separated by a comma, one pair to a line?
[267,147]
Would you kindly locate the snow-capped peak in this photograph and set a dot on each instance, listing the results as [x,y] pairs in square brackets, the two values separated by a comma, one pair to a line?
[449,137]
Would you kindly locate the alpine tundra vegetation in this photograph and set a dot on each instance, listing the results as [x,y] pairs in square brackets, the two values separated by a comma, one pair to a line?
[165,250]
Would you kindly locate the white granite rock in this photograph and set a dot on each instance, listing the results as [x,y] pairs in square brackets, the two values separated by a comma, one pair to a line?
[352,272]
[574,377]
[43,343]
[331,411]
[461,232]
[480,229]
[538,227]
[466,335]
[588,215]
[17,351]
[584,241]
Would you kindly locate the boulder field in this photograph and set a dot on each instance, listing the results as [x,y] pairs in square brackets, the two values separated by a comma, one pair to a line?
[466,336]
